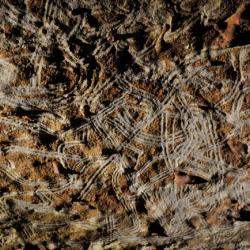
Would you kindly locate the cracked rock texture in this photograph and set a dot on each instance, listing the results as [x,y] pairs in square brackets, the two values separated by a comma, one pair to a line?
[124,124]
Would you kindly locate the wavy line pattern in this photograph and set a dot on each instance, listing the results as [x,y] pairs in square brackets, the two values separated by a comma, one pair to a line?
[118,131]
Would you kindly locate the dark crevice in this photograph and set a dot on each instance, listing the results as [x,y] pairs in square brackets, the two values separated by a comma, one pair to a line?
[198,180]
[36,163]
[92,67]
[215,178]
[206,108]
[3,190]
[222,25]
[84,12]
[111,192]
[16,31]
[30,246]
[129,171]
[33,113]
[231,74]
[141,37]
[66,171]
[161,247]
[47,139]
[60,207]
[31,48]
[38,24]
[242,32]
[246,14]
[56,56]
[62,26]
[80,11]
[124,60]
[140,205]
[156,228]
[109,151]
[244,215]
[79,47]
[87,112]
[199,31]
[241,38]
[29,71]
[217,63]
[20,4]
[84,50]
[76,122]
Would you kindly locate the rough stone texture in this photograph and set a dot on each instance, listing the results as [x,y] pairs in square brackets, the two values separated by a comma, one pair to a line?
[124,124]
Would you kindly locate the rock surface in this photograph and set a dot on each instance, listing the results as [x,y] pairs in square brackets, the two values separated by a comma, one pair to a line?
[124,124]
